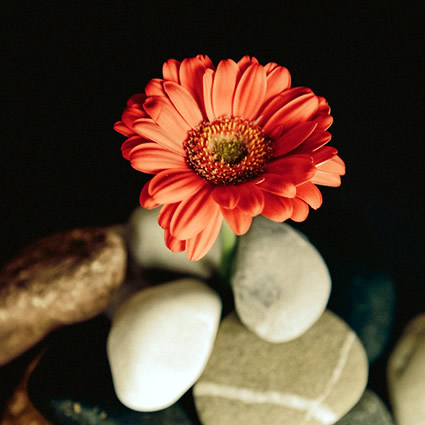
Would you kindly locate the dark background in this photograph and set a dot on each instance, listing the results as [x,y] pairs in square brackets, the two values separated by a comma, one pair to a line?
[68,68]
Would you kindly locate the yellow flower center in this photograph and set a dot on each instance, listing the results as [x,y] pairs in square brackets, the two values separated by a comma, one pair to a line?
[228,150]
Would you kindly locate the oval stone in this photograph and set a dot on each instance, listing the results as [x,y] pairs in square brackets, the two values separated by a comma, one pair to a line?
[281,284]
[314,379]
[160,342]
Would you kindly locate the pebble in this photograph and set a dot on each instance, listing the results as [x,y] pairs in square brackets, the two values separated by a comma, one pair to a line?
[370,410]
[72,384]
[281,284]
[147,248]
[314,379]
[365,298]
[160,342]
[61,279]
[406,374]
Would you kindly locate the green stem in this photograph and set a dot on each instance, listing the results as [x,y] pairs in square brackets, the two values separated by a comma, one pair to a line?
[228,244]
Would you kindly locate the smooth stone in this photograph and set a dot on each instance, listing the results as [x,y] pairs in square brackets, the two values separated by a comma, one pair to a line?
[160,342]
[281,284]
[406,374]
[72,384]
[370,410]
[146,245]
[61,279]
[314,379]
[365,298]
[19,409]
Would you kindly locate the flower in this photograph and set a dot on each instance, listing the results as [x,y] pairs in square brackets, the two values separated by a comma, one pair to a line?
[229,142]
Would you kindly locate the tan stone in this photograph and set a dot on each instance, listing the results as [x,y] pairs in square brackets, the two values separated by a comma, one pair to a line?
[312,380]
[61,279]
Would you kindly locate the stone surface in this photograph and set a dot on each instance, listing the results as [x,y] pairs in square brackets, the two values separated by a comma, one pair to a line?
[370,410]
[61,279]
[147,247]
[406,374]
[365,298]
[314,379]
[160,341]
[19,409]
[72,384]
[281,284]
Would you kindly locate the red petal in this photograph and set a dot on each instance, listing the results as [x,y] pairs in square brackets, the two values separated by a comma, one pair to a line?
[318,139]
[293,138]
[132,114]
[170,186]
[298,110]
[238,220]
[276,208]
[250,92]
[123,129]
[299,210]
[191,75]
[245,62]
[170,70]
[326,179]
[226,196]
[277,81]
[154,88]
[166,116]
[280,101]
[146,201]
[309,193]
[225,80]
[151,131]
[184,103]
[335,165]
[166,214]
[295,169]
[173,243]
[251,199]
[136,100]
[130,144]
[151,158]
[269,67]
[275,183]
[207,91]
[193,214]
[322,155]
[205,60]
[198,246]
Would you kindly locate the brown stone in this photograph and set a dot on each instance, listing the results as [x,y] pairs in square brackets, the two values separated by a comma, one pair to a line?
[19,409]
[61,279]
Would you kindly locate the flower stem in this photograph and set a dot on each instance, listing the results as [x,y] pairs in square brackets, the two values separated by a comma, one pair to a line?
[228,248]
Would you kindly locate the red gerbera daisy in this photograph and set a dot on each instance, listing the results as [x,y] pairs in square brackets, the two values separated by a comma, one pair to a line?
[229,142]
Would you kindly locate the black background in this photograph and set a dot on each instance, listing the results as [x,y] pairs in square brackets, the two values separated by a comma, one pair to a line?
[68,68]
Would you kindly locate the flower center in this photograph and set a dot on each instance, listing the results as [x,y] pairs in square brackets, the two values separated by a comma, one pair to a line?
[228,150]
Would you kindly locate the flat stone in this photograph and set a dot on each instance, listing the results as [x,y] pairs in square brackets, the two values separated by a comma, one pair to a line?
[72,384]
[365,298]
[61,279]
[406,374]
[160,341]
[147,247]
[314,379]
[370,410]
[281,284]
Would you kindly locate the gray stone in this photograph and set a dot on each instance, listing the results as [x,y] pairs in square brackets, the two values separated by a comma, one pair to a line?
[146,245]
[370,410]
[314,379]
[61,279]
[281,284]
[406,375]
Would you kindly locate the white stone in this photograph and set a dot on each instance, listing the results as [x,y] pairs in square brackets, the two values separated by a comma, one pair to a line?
[160,341]
[281,284]
[406,375]
[146,244]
